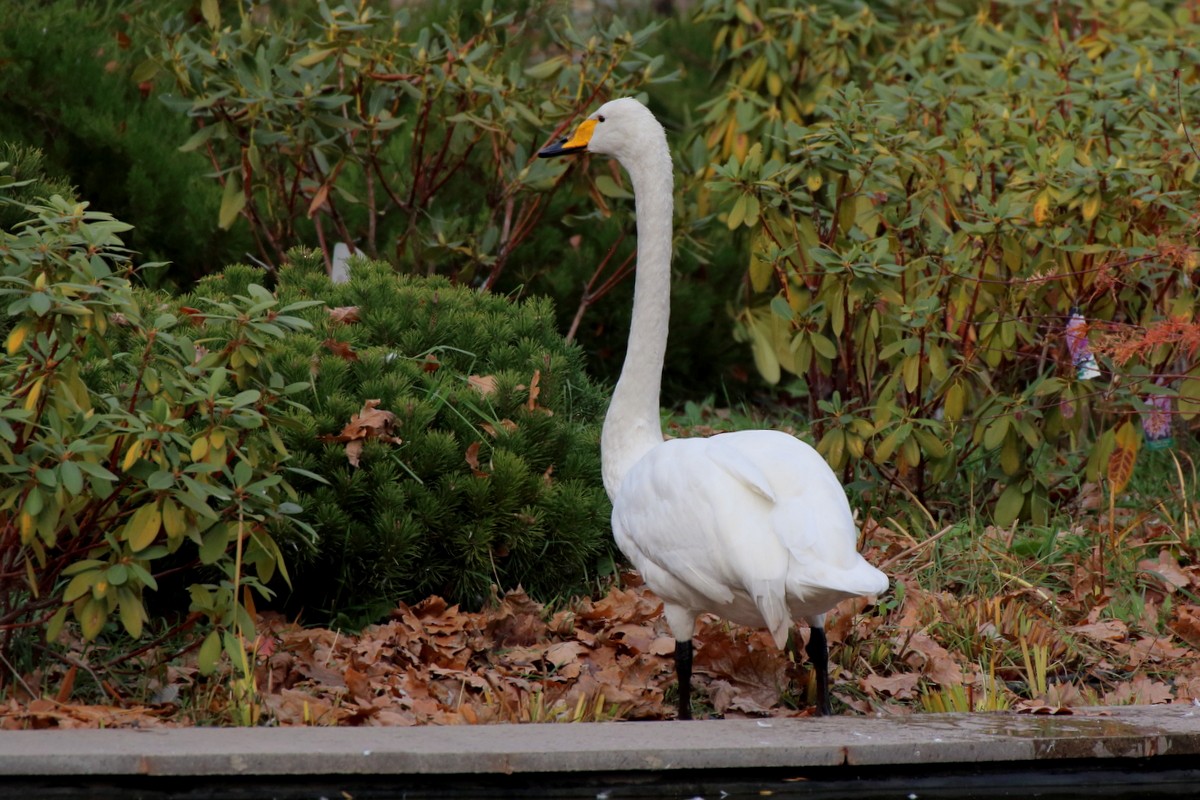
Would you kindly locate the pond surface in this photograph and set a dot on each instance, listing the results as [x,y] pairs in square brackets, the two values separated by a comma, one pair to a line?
[1137,779]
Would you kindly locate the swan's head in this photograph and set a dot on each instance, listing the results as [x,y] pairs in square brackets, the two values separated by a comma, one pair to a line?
[624,129]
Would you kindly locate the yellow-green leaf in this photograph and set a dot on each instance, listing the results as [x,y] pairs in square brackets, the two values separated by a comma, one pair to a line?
[211,11]
[315,57]
[91,618]
[937,362]
[16,338]
[81,584]
[174,519]
[765,359]
[931,446]
[955,400]
[761,269]
[737,213]
[132,613]
[132,455]
[833,447]
[143,527]
[912,372]
[888,446]
[1010,456]
[1041,210]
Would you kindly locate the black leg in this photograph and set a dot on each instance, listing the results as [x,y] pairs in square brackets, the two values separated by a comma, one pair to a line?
[818,656]
[683,671]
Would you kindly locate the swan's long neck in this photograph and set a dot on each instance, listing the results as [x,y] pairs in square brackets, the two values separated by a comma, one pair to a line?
[633,426]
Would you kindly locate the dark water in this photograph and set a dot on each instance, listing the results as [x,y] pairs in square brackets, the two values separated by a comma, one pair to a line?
[1131,779]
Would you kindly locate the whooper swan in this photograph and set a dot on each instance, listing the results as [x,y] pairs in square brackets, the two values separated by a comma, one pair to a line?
[753,525]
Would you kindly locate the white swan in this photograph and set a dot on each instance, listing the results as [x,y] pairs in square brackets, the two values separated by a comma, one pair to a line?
[753,525]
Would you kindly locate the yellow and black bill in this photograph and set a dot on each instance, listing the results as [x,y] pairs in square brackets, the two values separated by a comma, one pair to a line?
[576,143]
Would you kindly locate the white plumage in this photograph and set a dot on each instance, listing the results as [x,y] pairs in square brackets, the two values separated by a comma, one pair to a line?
[752,526]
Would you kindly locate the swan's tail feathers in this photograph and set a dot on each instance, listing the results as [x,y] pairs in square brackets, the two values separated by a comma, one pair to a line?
[771,599]
[861,579]
[857,581]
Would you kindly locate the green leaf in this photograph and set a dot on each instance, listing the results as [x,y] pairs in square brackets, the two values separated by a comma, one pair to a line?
[233,200]
[824,345]
[210,651]
[546,69]
[96,471]
[1009,506]
[248,397]
[145,71]
[80,566]
[117,574]
[160,480]
[609,188]
[1189,394]
[55,625]
[71,477]
[198,138]
[214,543]
[993,434]
[39,303]
[144,577]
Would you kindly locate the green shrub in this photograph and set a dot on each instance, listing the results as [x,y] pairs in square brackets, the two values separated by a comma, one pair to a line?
[415,140]
[479,434]
[71,88]
[926,197]
[130,437]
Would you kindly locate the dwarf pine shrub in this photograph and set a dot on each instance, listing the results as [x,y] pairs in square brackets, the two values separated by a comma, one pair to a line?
[458,435]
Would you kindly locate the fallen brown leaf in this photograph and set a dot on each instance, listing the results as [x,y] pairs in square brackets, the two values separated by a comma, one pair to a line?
[343,315]
[371,422]
[341,349]
[484,384]
[1167,568]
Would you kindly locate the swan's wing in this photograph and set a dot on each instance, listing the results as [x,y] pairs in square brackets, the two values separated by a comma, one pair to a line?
[739,466]
[693,519]
[811,516]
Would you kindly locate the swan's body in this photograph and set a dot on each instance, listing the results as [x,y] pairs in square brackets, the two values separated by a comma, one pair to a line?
[752,526]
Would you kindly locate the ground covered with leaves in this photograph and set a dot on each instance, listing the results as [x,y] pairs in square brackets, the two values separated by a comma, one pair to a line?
[1035,621]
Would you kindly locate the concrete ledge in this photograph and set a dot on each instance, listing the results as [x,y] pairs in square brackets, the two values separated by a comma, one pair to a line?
[629,747]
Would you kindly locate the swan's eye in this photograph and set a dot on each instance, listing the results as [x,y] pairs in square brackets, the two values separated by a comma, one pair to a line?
[600,118]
